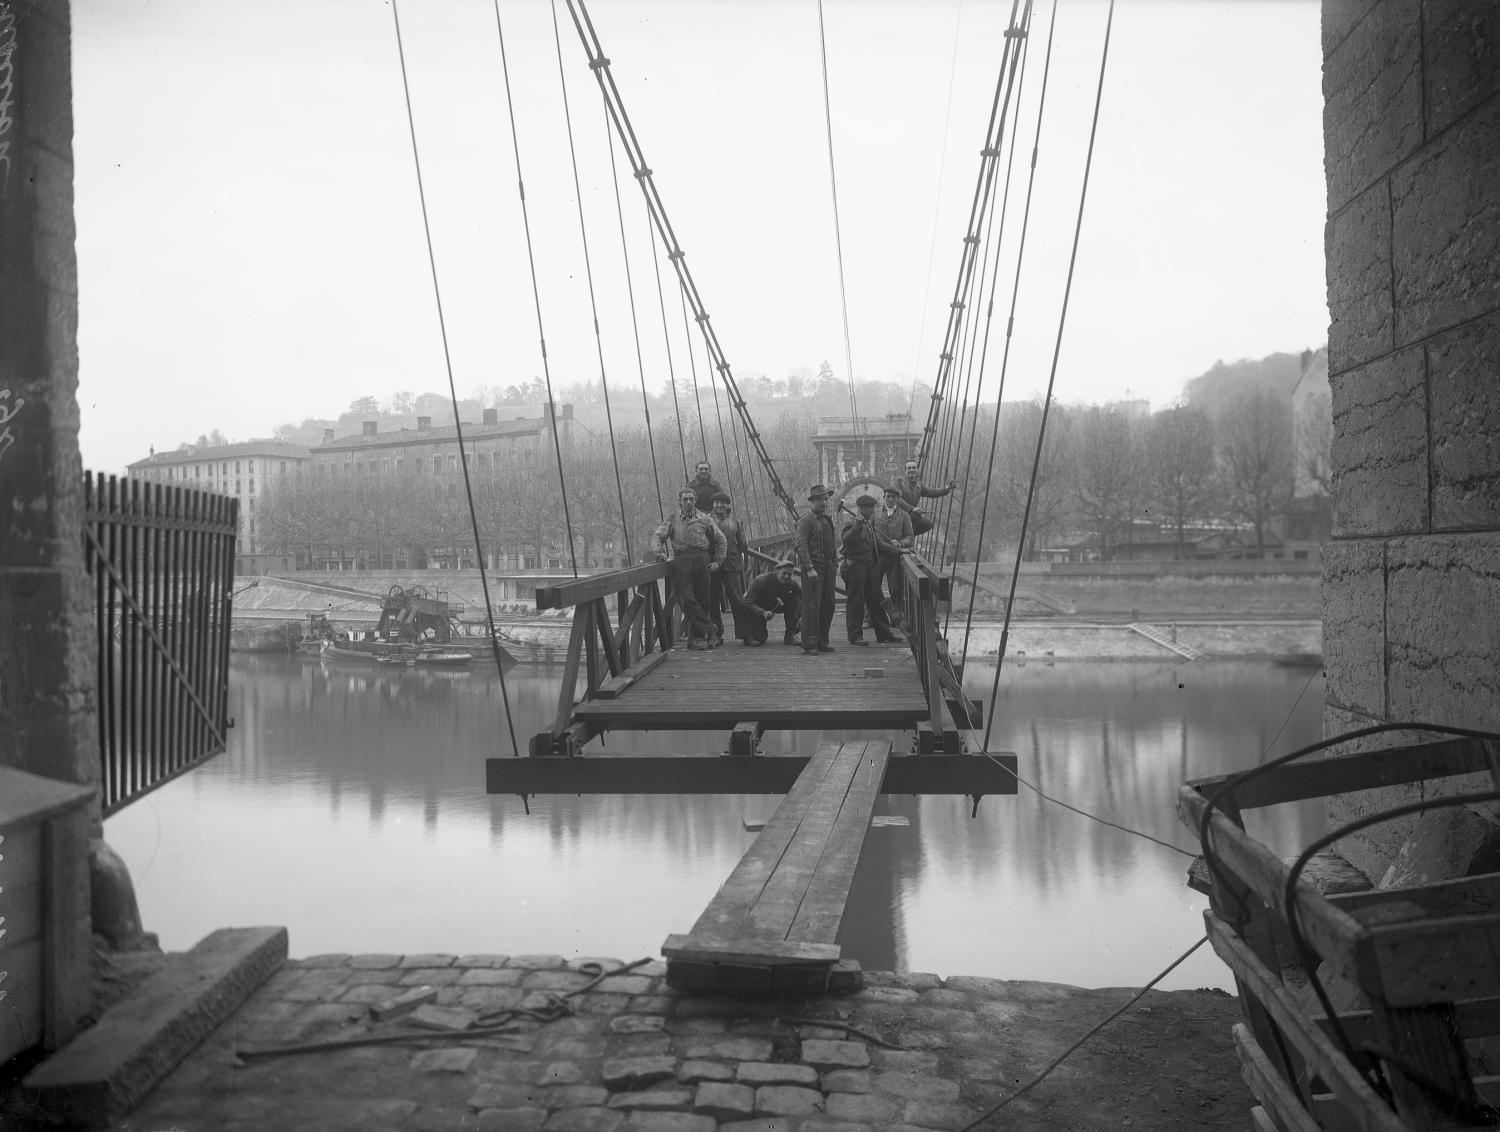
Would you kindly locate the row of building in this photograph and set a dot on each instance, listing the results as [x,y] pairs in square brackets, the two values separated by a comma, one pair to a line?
[246,471]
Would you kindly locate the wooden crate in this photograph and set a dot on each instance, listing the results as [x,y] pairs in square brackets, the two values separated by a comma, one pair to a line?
[1426,959]
[45,991]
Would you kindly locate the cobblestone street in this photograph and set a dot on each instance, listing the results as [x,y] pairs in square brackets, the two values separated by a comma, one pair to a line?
[908,1051]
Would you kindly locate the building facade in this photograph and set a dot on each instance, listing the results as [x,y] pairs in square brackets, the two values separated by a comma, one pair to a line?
[245,471]
[428,450]
[852,448]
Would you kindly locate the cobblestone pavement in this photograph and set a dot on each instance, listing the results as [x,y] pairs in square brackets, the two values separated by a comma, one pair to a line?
[631,1055]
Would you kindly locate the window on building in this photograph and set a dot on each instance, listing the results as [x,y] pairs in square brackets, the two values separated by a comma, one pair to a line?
[283,467]
[236,467]
[400,464]
[197,471]
[252,507]
[346,467]
[359,467]
[236,487]
[452,464]
[252,485]
[1300,555]
[418,464]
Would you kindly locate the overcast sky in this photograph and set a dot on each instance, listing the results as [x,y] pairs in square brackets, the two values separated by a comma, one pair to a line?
[250,239]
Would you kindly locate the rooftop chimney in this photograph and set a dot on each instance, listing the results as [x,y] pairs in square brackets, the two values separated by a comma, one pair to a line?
[424,423]
[328,436]
[370,427]
[492,416]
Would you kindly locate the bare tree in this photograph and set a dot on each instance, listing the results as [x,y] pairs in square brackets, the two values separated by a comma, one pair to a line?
[1180,466]
[1256,455]
[1108,473]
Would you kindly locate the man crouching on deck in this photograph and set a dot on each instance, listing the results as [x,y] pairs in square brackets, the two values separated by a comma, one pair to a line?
[697,550]
[771,592]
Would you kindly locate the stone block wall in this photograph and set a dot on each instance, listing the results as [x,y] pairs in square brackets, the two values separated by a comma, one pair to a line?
[1411,582]
[47,638]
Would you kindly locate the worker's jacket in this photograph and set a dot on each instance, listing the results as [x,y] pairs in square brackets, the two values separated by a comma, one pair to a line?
[815,547]
[698,532]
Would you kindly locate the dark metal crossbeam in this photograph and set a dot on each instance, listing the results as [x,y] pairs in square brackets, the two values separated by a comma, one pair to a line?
[726,774]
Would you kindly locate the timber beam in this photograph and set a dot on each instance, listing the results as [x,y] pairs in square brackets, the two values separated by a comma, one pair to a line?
[721,774]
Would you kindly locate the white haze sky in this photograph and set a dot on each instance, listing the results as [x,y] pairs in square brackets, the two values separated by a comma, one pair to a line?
[251,248]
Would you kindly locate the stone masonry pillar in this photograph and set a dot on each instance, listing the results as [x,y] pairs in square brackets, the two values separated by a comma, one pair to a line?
[1411,581]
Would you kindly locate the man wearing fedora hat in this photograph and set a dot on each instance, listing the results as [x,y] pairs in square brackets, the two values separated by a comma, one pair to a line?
[817,556]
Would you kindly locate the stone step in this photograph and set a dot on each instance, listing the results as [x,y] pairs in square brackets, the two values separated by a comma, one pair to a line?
[103,1072]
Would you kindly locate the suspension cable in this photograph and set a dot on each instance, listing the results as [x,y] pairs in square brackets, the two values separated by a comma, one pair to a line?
[687,337]
[1062,320]
[588,266]
[1019,79]
[838,236]
[666,334]
[731,467]
[1010,326]
[437,294]
[536,293]
[635,325]
[982,194]
[600,65]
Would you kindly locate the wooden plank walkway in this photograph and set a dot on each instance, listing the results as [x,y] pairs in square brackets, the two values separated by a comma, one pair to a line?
[772,925]
[778,686]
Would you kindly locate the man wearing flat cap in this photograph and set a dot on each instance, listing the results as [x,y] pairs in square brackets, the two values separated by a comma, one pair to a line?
[862,583]
[772,592]
[817,557]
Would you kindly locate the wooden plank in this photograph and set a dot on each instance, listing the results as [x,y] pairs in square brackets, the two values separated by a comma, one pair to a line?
[1474,1018]
[581,590]
[729,908]
[612,687]
[65,926]
[1332,933]
[1368,770]
[822,907]
[1280,1101]
[1434,961]
[1426,1065]
[1368,1111]
[576,636]
[751,952]
[1463,896]
[716,774]
[775,909]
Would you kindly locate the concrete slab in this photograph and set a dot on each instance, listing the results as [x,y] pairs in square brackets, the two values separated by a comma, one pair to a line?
[109,1067]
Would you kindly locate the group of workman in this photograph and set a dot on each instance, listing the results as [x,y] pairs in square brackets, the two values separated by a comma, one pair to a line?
[706,547]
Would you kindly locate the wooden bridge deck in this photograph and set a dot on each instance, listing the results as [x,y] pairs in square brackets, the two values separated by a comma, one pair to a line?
[772,925]
[776,686]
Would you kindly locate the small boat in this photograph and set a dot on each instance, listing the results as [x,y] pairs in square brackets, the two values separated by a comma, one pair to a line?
[436,657]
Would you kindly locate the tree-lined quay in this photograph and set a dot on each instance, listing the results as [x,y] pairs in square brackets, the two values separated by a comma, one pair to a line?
[1240,470]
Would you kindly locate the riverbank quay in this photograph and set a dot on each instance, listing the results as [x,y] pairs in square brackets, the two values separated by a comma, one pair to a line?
[597,1046]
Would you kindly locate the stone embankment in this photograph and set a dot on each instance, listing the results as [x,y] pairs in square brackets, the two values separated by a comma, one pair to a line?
[625,1052]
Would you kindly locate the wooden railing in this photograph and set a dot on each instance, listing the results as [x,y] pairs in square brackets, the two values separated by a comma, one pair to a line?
[162,560]
[611,648]
[601,646]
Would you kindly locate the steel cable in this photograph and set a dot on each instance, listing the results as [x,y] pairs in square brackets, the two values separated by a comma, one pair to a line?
[437,293]
[589,272]
[1062,320]
[536,293]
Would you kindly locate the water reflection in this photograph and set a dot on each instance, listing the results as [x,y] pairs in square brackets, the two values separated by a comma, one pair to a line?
[351,807]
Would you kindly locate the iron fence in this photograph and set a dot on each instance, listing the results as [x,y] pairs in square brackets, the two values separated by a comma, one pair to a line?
[162,560]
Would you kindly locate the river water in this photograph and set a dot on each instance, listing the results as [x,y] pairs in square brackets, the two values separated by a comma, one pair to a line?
[350,806]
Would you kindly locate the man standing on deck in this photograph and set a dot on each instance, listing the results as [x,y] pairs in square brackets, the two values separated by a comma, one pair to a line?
[912,494]
[729,582]
[862,582]
[705,487]
[697,551]
[776,590]
[893,526]
[817,558]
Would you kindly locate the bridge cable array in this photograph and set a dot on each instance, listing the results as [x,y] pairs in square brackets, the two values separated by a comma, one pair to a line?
[838,234]
[600,65]
[588,266]
[634,320]
[489,612]
[536,293]
[1062,320]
